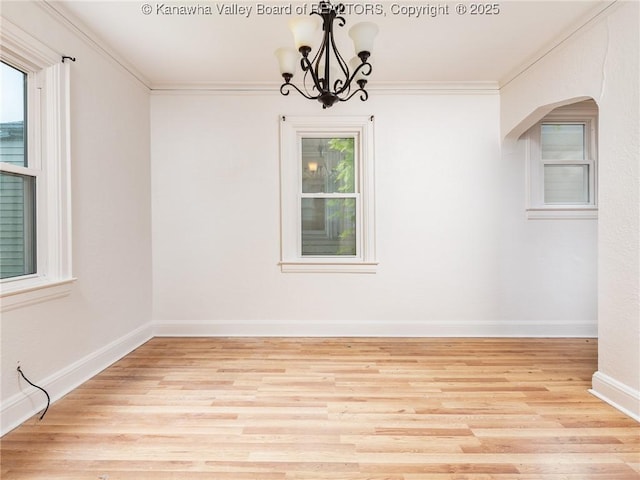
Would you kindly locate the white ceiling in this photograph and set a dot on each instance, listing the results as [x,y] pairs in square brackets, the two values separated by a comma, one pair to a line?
[223,49]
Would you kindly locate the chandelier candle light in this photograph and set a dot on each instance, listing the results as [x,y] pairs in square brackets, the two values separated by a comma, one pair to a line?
[327,61]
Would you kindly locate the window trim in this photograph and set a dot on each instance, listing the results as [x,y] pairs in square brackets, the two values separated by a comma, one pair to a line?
[292,128]
[536,208]
[48,131]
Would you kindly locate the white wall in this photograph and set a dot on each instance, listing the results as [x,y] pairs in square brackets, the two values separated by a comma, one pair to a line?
[62,342]
[602,62]
[457,256]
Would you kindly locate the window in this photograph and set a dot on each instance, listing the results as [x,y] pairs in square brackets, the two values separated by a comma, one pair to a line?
[17,185]
[562,163]
[327,181]
[35,240]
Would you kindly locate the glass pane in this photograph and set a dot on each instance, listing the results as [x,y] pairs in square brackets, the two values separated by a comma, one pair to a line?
[562,141]
[13,95]
[328,165]
[328,226]
[566,184]
[17,225]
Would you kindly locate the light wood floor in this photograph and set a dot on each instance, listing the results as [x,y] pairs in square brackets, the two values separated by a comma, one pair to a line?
[339,409]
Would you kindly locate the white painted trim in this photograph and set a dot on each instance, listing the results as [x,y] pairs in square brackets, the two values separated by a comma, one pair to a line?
[24,50]
[20,407]
[322,328]
[292,129]
[73,24]
[562,213]
[342,267]
[585,113]
[435,88]
[34,291]
[617,394]
[388,88]
[50,162]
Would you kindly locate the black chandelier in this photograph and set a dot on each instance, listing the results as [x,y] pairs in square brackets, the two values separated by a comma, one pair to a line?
[318,82]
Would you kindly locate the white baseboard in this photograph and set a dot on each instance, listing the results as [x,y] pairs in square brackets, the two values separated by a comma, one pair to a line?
[616,394]
[21,406]
[303,328]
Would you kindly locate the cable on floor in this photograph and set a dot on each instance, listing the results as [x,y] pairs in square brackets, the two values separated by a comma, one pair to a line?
[39,388]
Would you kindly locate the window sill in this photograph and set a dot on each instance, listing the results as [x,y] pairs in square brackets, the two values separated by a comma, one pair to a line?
[29,292]
[562,213]
[328,267]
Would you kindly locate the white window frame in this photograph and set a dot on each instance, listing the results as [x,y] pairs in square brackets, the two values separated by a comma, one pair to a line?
[536,208]
[48,96]
[292,130]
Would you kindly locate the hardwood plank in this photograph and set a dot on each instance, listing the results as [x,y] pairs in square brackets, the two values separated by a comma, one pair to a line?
[339,409]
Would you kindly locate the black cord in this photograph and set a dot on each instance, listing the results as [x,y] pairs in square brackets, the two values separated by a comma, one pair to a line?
[39,388]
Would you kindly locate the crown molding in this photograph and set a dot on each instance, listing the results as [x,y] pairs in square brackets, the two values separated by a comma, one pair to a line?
[85,34]
[388,88]
[436,88]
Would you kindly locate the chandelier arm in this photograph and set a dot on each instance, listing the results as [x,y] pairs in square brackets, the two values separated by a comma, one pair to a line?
[315,84]
[317,60]
[295,87]
[307,67]
[347,86]
[364,95]
[341,63]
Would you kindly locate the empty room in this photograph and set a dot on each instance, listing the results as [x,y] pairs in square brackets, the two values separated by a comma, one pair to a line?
[319,240]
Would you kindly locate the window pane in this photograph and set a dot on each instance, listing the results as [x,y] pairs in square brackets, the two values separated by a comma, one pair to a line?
[328,165]
[17,225]
[562,141]
[566,183]
[13,145]
[328,226]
